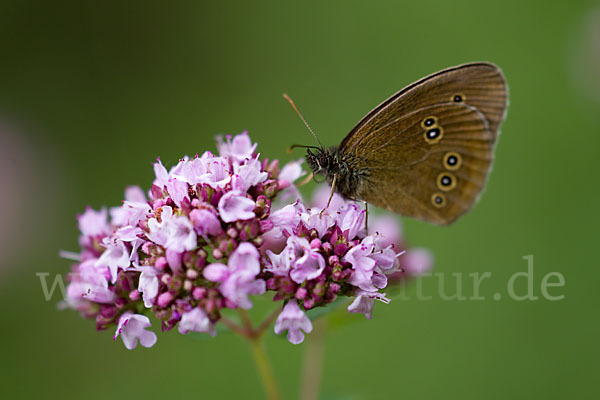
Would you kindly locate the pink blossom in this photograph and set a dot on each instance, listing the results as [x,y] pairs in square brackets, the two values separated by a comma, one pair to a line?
[238,149]
[388,228]
[294,321]
[235,206]
[174,259]
[250,174]
[182,235]
[218,172]
[195,320]
[89,283]
[288,175]
[321,196]
[194,171]
[134,208]
[114,257]
[288,217]
[130,213]
[284,221]
[280,264]
[364,301]
[205,222]
[387,259]
[306,263]
[135,194]
[160,231]
[292,171]
[174,232]
[128,233]
[362,263]
[216,272]
[131,234]
[94,223]
[148,285]
[416,261]
[315,220]
[298,258]
[238,278]
[379,281]
[351,219]
[132,327]
[273,240]
[162,176]
[177,170]
[178,190]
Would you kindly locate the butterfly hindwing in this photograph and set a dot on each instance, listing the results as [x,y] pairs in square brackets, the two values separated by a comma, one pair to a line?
[429,164]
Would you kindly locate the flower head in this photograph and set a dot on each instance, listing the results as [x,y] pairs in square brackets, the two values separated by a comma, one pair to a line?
[213,231]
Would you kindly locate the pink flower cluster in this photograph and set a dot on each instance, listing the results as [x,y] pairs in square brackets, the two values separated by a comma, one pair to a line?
[205,239]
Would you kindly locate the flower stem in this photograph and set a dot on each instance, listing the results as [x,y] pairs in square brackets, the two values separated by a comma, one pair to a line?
[267,322]
[234,327]
[246,320]
[312,366]
[264,369]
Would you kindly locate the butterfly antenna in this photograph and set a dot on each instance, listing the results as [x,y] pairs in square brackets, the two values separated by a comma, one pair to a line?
[285,96]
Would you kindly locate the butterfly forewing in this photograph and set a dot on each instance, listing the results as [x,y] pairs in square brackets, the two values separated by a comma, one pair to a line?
[480,85]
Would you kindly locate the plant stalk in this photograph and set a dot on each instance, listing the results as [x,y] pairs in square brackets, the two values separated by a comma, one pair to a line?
[265,370]
[312,366]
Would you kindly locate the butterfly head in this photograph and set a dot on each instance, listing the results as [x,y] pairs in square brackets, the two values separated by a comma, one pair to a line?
[321,161]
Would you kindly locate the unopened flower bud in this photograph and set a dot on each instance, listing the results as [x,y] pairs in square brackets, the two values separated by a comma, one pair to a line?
[301,293]
[271,189]
[199,293]
[161,263]
[191,274]
[217,254]
[164,299]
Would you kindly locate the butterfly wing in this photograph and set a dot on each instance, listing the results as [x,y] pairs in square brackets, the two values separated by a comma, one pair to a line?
[432,173]
[427,150]
[480,85]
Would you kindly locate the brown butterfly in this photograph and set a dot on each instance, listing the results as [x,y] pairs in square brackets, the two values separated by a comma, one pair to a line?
[426,151]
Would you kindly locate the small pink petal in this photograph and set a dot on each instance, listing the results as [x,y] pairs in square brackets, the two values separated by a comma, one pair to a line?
[234,206]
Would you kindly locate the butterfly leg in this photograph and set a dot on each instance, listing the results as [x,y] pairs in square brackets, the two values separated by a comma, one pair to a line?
[366,218]
[330,195]
[306,180]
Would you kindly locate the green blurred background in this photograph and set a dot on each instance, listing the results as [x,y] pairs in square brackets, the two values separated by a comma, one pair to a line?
[92,92]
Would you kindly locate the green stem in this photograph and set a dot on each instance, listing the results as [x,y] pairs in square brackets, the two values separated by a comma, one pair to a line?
[264,369]
[312,366]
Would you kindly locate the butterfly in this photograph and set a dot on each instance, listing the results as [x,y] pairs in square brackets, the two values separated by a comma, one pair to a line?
[426,151]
